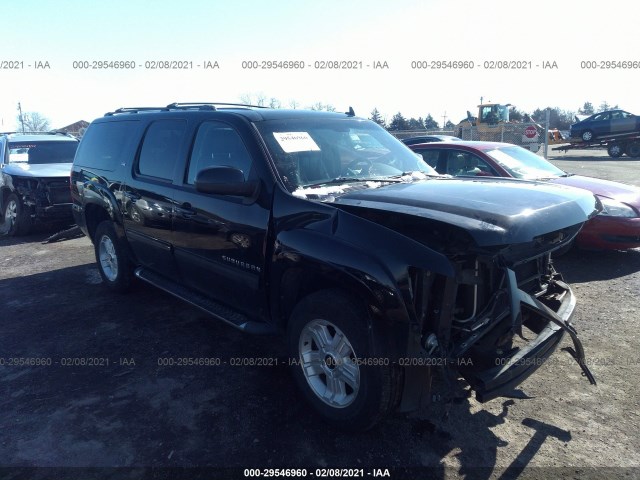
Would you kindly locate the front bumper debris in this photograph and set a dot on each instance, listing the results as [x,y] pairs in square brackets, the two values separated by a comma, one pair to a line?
[550,326]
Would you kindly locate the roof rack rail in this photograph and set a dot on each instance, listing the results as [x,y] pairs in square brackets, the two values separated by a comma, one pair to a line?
[211,105]
[181,106]
[135,110]
[49,132]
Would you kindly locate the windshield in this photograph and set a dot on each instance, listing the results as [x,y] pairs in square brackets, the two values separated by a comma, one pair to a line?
[522,163]
[319,151]
[42,152]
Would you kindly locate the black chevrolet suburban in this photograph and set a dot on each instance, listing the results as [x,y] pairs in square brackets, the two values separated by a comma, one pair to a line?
[323,227]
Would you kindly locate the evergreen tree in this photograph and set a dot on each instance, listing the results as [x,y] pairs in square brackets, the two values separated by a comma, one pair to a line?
[414,124]
[398,122]
[376,117]
[587,109]
[430,123]
[515,115]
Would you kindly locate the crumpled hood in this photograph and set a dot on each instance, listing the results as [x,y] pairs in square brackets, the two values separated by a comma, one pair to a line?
[38,170]
[492,211]
[605,188]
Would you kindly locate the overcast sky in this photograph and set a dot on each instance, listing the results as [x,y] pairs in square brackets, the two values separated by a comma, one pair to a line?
[396,32]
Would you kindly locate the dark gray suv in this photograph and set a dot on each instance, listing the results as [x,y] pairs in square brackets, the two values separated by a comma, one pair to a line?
[34,179]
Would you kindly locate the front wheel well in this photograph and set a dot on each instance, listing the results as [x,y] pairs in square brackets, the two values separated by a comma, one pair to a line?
[297,284]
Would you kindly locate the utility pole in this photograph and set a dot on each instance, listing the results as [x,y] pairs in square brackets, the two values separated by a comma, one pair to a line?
[444,119]
[21,117]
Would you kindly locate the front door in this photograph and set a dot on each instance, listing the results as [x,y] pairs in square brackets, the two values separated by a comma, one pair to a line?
[219,240]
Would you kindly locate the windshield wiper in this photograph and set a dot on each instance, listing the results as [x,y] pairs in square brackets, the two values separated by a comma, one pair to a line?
[339,180]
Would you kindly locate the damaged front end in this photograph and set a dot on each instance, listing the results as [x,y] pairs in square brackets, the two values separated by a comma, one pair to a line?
[500,317]
[46,198]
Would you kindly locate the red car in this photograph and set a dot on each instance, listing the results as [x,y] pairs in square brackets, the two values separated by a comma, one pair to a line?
[617,227]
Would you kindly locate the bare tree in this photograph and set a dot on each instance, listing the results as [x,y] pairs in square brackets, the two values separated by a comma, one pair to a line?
[246,99]
[34,122]
[321,106]
[294,104]
[261,99]
[275,103]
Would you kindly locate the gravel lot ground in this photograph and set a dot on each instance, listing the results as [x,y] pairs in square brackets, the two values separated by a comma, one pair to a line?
[127,410]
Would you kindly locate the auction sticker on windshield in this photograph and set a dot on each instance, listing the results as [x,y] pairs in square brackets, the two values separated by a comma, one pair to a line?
[292,142]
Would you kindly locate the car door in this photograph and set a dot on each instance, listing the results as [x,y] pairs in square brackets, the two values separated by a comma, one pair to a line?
[622,122]
[147,198]
[601,124]
[219,240]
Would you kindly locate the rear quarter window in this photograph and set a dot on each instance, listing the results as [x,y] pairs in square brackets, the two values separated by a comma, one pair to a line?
[105,145]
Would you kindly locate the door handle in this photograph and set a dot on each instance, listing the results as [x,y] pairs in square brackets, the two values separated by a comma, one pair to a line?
[185,210]
[132,196]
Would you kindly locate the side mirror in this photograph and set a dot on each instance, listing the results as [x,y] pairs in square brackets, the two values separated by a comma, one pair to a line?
[224,181]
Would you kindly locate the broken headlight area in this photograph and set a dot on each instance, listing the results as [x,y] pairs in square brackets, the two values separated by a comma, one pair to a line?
[497,324]
[45,194]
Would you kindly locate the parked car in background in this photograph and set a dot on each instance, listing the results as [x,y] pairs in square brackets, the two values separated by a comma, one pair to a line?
[616,227]
[429,138]
[603,124]
[34,179]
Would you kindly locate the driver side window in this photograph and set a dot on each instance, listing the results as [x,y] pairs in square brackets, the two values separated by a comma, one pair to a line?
[461,163]
[218,145]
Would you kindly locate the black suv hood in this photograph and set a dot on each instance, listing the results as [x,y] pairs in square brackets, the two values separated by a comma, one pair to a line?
[493,211]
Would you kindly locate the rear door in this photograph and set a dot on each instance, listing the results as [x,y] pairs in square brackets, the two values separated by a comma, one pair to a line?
[148,197]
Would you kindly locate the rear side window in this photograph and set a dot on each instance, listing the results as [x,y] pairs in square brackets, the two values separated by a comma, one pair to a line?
[160,148]
[218,145]
[104,145]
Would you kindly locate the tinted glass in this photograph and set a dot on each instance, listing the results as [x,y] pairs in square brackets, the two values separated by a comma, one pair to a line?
[160,148]
[431,157]
[218,145]
[42,152]
[104,145]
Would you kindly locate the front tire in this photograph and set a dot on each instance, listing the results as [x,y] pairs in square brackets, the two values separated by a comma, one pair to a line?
[111,256]
[588,136]
[332,362]
[17,221]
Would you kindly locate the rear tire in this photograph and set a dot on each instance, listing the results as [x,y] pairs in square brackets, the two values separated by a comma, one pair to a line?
[111,256]
[633,150]
[615,150]
[17,220]
[332,362]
